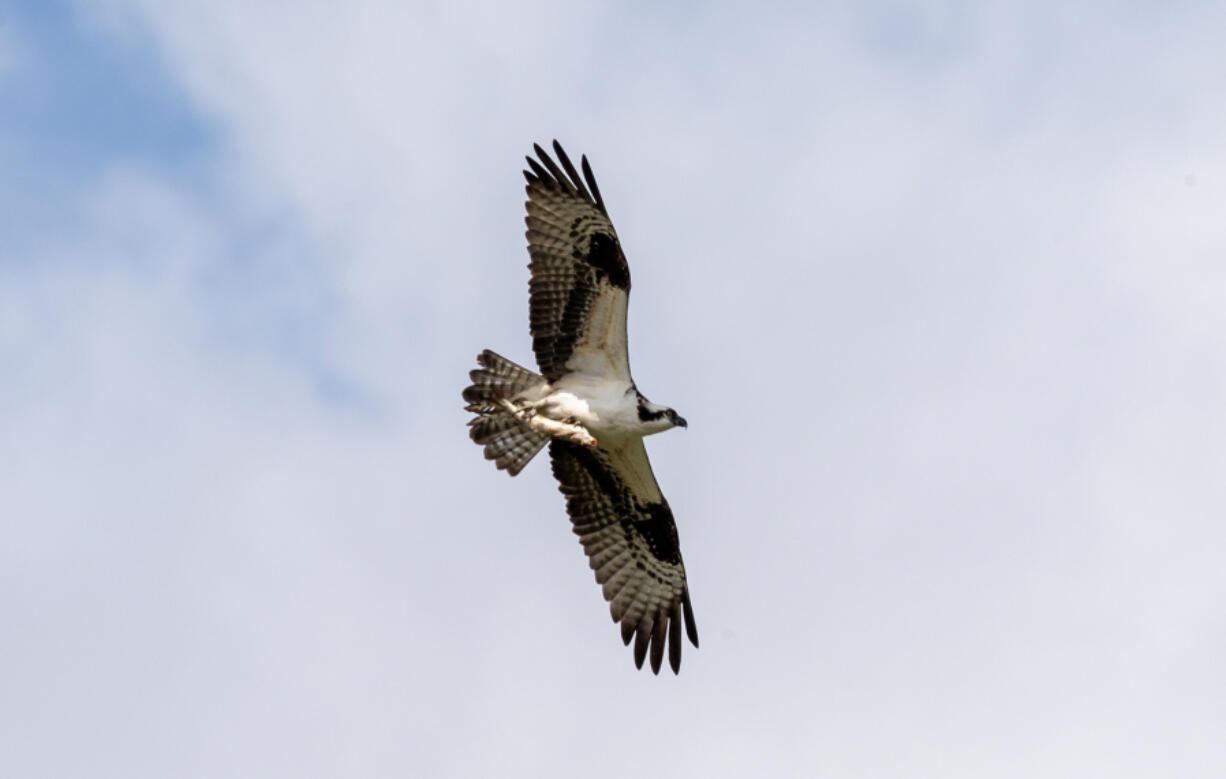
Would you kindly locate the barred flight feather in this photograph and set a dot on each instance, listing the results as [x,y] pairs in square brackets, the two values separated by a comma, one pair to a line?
[578,295]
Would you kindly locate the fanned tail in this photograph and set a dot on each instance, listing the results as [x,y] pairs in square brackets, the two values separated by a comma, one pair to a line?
[507,441]
[497,377]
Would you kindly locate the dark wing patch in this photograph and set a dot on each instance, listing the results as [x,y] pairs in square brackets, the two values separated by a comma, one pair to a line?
[633,549]
[576,259]
[660,533]
[605,255]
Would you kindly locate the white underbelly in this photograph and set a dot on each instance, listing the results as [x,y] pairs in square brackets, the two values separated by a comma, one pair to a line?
[600,406]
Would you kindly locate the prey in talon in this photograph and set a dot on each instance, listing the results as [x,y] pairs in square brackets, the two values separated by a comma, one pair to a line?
[567,428]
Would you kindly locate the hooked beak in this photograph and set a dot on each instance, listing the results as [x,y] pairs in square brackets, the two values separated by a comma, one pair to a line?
[679,422]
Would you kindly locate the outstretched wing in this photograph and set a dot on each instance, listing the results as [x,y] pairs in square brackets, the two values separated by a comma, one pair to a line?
[628,532]
[580,281]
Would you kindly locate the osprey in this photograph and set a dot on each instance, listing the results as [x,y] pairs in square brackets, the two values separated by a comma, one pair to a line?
[585,405]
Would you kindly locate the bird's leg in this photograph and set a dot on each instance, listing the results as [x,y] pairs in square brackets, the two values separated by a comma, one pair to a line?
[569,430]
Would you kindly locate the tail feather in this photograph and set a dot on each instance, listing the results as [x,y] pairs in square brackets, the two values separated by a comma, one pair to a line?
[507,441]
[497,376]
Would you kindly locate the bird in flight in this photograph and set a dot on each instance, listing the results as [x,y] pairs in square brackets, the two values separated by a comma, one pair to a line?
[585,405]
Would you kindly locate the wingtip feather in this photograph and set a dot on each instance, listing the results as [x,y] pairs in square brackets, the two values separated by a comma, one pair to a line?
[642,640]
[659,634]
[591,182]
[627,632]
[691,628]
[674,638]
[575,179]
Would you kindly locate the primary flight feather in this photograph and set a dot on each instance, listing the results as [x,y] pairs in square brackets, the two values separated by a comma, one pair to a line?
[585,405]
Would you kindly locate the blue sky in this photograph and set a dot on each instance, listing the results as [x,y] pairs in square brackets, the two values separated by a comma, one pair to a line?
[938,287]
[76,101]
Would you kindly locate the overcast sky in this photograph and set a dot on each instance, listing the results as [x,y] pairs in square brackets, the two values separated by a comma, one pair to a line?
[939,286]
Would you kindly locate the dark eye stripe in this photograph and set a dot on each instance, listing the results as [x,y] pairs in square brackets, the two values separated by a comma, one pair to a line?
[647,415]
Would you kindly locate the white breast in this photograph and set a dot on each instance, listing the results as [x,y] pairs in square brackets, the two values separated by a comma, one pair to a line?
[600,405]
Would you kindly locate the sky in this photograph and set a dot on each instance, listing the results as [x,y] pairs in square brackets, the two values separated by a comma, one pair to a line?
[939,286]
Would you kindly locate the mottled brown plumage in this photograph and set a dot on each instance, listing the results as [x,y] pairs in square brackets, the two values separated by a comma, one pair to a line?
[577,264]
[586,406]
[631,544]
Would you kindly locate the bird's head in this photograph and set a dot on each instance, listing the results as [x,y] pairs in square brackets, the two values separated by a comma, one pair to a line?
[675,418]
[656,418]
